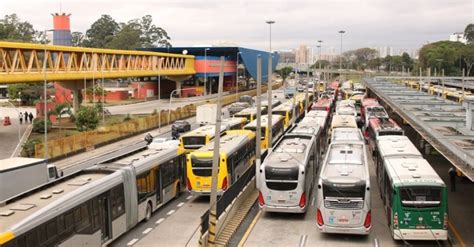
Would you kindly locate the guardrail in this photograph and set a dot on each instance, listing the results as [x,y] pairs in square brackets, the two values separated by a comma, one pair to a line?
[226,199]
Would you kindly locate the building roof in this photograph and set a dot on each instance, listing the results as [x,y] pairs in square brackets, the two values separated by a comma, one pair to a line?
[247,56]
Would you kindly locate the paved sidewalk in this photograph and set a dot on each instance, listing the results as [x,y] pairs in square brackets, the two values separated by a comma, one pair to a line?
[9,134]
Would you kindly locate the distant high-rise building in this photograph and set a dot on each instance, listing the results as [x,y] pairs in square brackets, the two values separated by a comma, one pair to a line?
[302,55]
[384,51]
[459,37]
[287,56]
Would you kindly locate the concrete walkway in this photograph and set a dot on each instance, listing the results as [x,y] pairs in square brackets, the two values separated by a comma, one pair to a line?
[9,134]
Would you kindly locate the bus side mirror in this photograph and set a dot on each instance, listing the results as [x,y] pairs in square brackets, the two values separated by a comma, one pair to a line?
[319,186]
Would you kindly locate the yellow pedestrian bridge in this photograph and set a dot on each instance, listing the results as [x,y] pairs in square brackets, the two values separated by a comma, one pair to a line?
[27,62]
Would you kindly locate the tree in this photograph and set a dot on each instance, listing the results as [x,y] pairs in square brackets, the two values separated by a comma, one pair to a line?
[127,38]
[407,61]
[101,32]
[13,29]
[467,53]
[375,63]
[97,91]
[77,39]
[469,33]
[59,110]
[151,35]
[87,118]
[285,71]
[442,55]
[38,125]
[27,93]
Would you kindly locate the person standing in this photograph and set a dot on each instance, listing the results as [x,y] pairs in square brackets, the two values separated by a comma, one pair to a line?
[26,116]
[31,117]
[20,116]
[452,178]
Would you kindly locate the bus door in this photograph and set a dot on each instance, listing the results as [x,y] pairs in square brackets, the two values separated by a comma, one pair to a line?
[159,185]
[104,212]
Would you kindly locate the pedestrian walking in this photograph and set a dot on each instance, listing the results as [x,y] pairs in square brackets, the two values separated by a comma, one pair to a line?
[452,178]
[26,116]
[31,117]
[20,116]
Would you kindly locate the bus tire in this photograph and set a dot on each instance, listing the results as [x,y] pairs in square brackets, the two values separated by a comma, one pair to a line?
[148,212]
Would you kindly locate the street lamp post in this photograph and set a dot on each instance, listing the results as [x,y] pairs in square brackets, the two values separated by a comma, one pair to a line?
[205,70]
[46,118]
[340,57]
[269,88]
[171,97]
[160,63]
[237,75]
[320,46]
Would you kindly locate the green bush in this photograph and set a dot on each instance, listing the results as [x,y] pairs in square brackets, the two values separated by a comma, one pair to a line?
[127,117]
[87,118]
[29,148]
[38,125]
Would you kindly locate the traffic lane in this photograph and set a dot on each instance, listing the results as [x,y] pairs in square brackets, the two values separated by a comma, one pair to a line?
[181,228]
[158,217]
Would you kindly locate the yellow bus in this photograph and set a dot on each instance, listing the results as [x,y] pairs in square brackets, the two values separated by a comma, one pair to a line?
[234,123]
[278,126]
[199,137]
[237,154]
[286,111]
[249,113]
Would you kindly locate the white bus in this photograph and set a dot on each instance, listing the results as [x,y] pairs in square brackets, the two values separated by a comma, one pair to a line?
[287,174]
[278,129]
[346,134]
[343,197]
[97,205]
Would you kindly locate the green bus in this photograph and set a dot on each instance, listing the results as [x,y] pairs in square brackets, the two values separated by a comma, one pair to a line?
[414,196]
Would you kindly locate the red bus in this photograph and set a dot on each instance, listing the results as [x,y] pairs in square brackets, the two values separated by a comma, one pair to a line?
[381,127]
[323,104]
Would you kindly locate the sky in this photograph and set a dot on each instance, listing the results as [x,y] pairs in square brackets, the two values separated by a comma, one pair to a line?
[401,24]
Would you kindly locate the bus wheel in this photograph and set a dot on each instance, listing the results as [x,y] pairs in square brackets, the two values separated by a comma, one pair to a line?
[148,212]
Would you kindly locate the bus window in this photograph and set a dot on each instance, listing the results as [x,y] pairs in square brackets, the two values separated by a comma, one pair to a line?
[287,178]
[417,197]
[201,167]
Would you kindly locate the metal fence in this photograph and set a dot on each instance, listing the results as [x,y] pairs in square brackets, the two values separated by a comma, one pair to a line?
[226,199]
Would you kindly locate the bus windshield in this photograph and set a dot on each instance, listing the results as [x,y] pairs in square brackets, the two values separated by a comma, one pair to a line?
[416,197]
[332,190]
[194,141]
[201,166]
[284,178]
[391,133]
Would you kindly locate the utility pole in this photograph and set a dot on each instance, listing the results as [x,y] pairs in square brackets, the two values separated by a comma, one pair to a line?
[463,74]
[215,160]
[258,153]
[269,88]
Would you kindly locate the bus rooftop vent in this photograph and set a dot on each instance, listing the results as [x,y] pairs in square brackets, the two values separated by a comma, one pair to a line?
[23,207]
[7,213]
[45,196]
[416,176]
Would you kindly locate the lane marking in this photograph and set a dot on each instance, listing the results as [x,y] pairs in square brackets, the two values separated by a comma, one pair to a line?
[303,240]
[180,204]
[456,234]
[171,212]
[132,242]
[249,230]
[312,202]
[159,221]
[189,197]
[147,230]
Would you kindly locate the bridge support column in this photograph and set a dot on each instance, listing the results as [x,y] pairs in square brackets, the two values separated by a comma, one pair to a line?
[76,103]
[178,87]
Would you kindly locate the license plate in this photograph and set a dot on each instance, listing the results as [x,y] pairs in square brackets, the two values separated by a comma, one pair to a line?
[281,201]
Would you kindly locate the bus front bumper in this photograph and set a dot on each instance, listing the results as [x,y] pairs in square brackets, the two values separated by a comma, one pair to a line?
[279,209]
[205,192]
[420,234]
[345,230]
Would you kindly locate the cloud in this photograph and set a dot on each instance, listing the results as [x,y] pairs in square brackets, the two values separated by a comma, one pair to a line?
[401,23]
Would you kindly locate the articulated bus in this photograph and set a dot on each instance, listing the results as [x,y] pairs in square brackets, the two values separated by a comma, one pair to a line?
[381,127]
[343,197]
[97,205]
[278,129]
[286,110]
[287,174]
[250,113]
[415,198]
[317,119]
[342,121]
[199,137]
[237,154]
